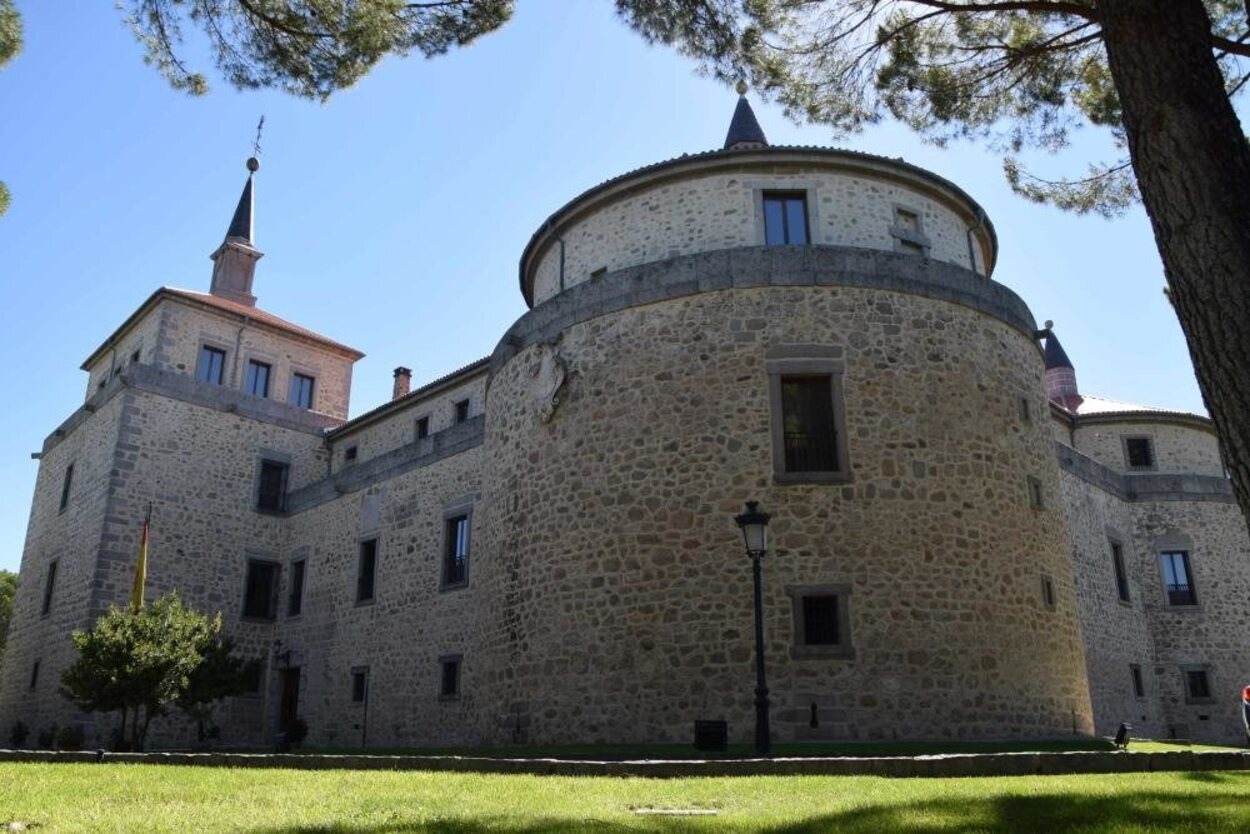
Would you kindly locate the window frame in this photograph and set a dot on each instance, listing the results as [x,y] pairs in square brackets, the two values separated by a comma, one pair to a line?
[298,579]
[275,588]
[298,377]
[67,485]
[375,540]
[202,373]
[808,361]
[905,237]
[451,515]
[1125,443]
[421,427]
[1208,678]
[248,386]
[456,661]
[461,411]
[269,459]
[1119,569]
[1050,595]
[350,455]
[1137,681]
[49,586]
[1037,500]
[783,195]
[1171,547]
[361,674]
[844,649]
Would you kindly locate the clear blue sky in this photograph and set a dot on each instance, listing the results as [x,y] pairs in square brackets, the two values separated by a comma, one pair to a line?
[392,217]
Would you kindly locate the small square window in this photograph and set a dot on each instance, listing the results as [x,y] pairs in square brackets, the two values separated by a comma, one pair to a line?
[258,378]
[822,622]
[212,365]
[360,684]
[1139,689]
[1121,575]
[271,487]
[449,678]
[366,570]
[423,427]
[785,218]
[48,584]
[34,675]
[462,411]
[1035,493]
[1178,580]
[1048,592]
[301,395]
[456,551]
[1139,452]
[349,454]
[295,599]
[65,486]
[261,594]
[1197,684]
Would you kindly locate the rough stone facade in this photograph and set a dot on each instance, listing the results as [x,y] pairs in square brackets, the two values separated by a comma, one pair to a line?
[600,592]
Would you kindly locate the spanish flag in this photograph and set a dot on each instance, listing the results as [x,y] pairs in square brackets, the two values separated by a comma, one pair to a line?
[141,569]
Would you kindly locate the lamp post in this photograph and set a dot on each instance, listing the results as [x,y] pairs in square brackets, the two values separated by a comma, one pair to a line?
[754,526]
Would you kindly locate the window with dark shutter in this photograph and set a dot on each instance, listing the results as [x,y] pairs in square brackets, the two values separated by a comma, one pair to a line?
[820,621]
[449,681]
[462,411]
[1140,452]
[810,435]
[271,491]
[260,596]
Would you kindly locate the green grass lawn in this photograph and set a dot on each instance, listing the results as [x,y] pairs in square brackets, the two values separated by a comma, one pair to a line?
[152,798]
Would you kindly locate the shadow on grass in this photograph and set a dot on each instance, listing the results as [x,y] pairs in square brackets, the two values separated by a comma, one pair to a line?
[1225,808]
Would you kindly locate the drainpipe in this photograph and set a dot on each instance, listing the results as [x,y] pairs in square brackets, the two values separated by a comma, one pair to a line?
[238,343]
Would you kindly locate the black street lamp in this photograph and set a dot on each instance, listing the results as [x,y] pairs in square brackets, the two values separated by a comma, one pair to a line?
[754,526]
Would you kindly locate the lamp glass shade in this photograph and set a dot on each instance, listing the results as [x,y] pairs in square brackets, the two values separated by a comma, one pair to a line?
[754,525]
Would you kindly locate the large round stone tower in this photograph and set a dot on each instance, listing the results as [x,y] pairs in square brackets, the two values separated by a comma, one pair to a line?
[815,330]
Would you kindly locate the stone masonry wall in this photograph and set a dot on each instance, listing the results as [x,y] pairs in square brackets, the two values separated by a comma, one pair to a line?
[721,211]
[1177,448]
[615,601]
[185,329]
[143,337]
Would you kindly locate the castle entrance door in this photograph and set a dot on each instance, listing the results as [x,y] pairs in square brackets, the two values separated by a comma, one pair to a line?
[288,709]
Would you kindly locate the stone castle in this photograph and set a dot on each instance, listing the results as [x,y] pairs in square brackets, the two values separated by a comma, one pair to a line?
[540,548]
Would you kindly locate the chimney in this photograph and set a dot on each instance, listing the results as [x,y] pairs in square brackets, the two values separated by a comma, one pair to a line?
[403,382]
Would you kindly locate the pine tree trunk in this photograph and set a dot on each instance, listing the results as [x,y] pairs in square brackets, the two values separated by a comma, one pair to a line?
[1192,163]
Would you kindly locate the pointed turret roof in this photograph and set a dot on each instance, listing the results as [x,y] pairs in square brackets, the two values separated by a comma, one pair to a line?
[241,223]
[744,128]
[1056,356]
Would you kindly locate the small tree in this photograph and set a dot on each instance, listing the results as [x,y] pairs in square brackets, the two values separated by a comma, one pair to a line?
[221,674]
[138,663]
[8,589]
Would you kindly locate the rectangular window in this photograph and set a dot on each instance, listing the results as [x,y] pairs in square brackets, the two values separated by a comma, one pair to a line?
[1048,592]
[1035,493]
[807,418]
[48,584]
[65,486]
[456,551]
[349,454]
[785,218]
[423,427]
[449,680]
[257,378]
[820,621]
[134,357]
[34,675]
[261,594]
[301,395]
[366,570]
[360,684]
[462,411]
[295,599]
[1026,412]
[1177,578]
[1140,452]
[271,491]
[212,366]
[822,624]
[1121,576]
[1139,690]
[1197,685]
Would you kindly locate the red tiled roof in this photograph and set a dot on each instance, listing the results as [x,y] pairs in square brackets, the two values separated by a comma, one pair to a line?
[260,316]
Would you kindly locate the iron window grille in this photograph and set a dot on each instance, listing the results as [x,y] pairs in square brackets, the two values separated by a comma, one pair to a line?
[1178,578]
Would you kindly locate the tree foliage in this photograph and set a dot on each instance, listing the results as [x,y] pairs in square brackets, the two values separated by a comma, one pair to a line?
[220,674]
[10,45]
[8,590]
[138,663]
[307,47]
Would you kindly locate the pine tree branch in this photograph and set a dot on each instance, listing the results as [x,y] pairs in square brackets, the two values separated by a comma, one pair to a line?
[1038,6]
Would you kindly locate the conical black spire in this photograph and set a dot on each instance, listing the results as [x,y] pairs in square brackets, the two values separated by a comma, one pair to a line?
[1056,356]
[241,223]
[744,130]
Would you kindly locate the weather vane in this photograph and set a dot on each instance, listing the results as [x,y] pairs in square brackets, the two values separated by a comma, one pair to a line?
[253,163]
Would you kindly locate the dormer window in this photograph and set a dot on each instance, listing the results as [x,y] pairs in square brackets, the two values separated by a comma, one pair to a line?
[785,218]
